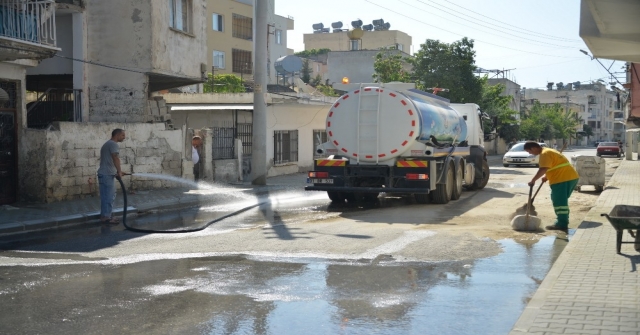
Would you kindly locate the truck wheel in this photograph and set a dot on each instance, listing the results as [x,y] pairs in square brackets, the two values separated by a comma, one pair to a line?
[599,189]
[442,193]
[636,243]
[505,165]
[480,182]
[335,196]
[457,186]
[422,198]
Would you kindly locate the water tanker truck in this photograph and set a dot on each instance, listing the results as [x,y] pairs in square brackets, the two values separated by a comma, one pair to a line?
[396,139]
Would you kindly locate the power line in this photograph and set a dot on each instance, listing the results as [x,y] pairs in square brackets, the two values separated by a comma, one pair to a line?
[507,24]
[451,32]
[520,38]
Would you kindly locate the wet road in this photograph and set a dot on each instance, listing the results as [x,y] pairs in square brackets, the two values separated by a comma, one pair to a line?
[295,264]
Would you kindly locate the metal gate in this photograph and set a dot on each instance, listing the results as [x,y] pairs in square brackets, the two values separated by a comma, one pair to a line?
[8,143]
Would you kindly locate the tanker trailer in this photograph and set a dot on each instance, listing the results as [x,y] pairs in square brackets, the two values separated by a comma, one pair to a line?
[393,138]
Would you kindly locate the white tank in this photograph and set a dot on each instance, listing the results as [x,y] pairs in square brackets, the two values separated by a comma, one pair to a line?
[375,124]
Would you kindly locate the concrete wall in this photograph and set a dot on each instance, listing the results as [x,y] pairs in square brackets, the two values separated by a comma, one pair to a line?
[58,65]
[69,156]
[356,65]
[371,40]
[173,52]
[291,116]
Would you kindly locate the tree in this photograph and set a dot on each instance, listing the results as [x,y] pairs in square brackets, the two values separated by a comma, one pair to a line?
[317,80]
[449,66]
[389,67]
[312,52]
[223,83]
[305,71]
[496,105]
[549,122]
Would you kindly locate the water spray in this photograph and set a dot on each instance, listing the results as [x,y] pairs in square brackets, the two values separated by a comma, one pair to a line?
[124,214]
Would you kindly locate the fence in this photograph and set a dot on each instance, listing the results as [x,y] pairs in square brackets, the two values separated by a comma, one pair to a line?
[28,20]
[55,105]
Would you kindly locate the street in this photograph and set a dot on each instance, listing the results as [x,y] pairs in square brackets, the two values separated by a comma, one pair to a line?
[296,264]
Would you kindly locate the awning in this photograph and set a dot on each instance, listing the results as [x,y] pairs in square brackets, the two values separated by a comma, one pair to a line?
[211,107]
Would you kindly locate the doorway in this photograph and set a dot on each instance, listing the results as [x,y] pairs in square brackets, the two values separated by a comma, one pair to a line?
[8,143]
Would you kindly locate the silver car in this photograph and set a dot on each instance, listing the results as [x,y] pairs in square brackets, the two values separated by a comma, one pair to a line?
[517,156]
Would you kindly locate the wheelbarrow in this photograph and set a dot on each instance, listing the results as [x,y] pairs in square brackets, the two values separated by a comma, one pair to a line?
[624,217]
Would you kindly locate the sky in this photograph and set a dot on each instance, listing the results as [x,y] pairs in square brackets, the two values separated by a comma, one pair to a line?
[536,40]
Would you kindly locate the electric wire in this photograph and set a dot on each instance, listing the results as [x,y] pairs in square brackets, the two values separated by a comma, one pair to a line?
[519,38]
[531,32]
[451,32]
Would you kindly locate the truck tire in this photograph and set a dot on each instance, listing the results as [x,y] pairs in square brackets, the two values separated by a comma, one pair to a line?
[349,196]
[442,193]
[335,196]
[481,182]
[636,243]
[457,183]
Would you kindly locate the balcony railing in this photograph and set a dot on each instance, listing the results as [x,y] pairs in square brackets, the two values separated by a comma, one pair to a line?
[29,20]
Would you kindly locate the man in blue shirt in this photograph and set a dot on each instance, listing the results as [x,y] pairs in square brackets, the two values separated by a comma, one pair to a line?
[108,171]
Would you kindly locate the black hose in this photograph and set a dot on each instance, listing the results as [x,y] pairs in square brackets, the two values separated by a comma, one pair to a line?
[124,216]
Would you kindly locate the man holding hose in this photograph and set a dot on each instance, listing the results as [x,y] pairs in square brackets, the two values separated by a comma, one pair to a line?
[108,171]
[562,177]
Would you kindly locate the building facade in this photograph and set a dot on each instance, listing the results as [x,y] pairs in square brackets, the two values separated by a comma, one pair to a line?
[595,105]
[370,40]
[111,55]
[229,33]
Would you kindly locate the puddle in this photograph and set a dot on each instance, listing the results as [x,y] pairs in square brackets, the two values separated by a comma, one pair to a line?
[238,294]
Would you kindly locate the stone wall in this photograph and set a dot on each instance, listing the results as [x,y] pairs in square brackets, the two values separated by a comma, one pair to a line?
[70,154]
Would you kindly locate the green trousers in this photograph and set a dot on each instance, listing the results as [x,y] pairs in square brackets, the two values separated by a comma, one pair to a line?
[560,194]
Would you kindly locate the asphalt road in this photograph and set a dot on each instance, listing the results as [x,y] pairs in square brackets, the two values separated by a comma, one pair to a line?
[296,264]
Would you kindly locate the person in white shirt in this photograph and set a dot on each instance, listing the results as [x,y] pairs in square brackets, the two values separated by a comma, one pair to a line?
[196,144]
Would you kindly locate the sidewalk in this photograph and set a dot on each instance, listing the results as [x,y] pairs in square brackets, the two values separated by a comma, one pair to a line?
[21,219]
[590,289]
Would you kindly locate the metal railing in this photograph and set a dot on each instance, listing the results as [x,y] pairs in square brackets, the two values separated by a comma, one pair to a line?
[55,105]
[29,20]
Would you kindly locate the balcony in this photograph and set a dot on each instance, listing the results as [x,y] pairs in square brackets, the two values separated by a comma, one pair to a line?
[27,29]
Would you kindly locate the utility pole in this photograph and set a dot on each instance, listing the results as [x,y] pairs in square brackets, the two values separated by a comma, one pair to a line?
[259,139]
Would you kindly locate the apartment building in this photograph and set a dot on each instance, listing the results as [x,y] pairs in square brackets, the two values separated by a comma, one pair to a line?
[368,37]
[230,38]
[596,105]
[109,57]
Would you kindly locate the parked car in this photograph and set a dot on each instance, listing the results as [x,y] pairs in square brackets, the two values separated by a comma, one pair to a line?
[608,149]
[517,156]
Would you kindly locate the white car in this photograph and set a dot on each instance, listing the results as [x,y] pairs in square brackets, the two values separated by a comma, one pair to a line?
[517,156]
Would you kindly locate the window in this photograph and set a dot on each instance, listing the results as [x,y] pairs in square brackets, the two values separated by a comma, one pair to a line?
[242,27]
[399,46]
[223,143]
[218,59]
[217,23]
[180,14]
[278,36]
[285,146]
[319,137]
[241,60]
[354,45]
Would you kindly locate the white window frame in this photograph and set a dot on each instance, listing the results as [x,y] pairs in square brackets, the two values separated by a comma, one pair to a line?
[217,63]
[278,36]
[179,16]
[217,18]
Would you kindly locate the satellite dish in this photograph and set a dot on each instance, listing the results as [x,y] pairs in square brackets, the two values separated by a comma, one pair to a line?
[318,26]
[367,27]
[356,24]
[336,25]
[355,34]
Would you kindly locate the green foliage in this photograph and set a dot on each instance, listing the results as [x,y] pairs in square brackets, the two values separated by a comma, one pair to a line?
[389,67]
[305,71]
[316,81]
[496,105]
[449,66]
[223,83]
[327,90]
[312,52]
[549,122]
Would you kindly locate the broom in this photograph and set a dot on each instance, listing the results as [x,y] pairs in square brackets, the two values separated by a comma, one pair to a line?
[527,222]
